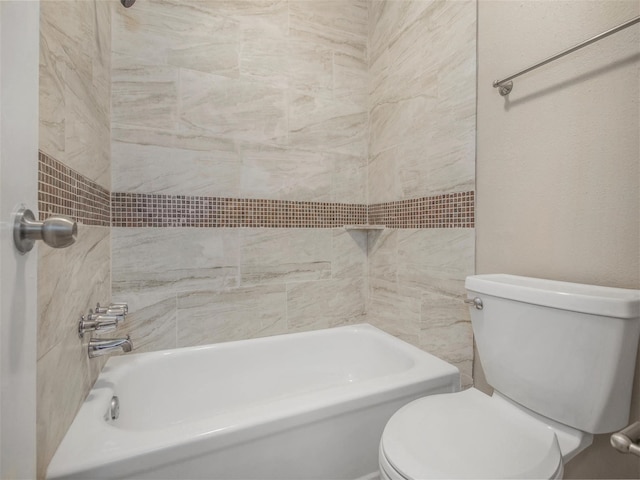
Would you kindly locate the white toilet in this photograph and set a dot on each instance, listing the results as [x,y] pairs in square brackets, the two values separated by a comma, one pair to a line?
[561,358]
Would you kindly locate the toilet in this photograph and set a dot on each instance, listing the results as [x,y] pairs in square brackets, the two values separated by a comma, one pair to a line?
[560,357]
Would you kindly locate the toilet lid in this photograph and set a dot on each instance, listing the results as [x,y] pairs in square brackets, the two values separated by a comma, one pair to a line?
[468,435]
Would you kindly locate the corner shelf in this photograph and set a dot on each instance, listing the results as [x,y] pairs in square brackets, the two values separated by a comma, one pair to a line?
[364,227]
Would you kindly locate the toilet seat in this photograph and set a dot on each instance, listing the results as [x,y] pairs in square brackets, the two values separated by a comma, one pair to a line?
[467,435]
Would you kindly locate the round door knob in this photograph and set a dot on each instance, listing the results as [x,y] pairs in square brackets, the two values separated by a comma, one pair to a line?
[57,232]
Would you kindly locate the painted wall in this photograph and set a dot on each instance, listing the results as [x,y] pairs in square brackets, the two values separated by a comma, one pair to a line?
[19,26]
[246,100]
[422,143]
[558,178]
[75,59]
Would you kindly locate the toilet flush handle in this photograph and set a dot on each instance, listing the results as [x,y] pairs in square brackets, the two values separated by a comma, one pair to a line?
[476,302]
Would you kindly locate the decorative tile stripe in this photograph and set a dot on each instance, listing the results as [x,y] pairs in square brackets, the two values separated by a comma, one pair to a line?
[452,210]
[63,191]
[143,210]
[455,210]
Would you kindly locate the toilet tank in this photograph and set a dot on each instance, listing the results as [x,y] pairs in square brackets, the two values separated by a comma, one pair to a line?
[564,350]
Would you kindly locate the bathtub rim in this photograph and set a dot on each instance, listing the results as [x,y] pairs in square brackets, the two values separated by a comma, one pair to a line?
[181,442]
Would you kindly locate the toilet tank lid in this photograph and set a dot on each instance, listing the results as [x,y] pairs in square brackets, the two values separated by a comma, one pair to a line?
[576,297]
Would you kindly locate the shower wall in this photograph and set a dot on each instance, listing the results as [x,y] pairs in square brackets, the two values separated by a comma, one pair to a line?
[224,143]
[74,180]
[232,123]
[422,63]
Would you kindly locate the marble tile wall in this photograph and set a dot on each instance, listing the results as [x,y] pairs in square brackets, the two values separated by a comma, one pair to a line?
[422,143]
[75,65]
[260,100]
[421,98]
[192,286]
[343,102]
[247,99]
[353,102]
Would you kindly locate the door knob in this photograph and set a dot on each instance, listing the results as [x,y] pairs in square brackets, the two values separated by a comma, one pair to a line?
[57,232]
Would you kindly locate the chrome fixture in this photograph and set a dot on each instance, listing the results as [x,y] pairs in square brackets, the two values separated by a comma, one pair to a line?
[476,302]
[97,323]
[57,232]
[627,440]
[505,85]
[119,309]
[104,319]
[114,408]
[99,347]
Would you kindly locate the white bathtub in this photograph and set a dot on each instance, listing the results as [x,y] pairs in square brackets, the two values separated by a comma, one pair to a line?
[299,406]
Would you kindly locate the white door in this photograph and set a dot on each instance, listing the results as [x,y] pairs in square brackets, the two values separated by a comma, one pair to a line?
[19,39]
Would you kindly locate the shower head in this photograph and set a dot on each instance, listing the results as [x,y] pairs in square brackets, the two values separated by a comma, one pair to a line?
[127,3]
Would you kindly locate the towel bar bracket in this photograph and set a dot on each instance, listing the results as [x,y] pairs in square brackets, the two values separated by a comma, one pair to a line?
[504,89]
[627,440]
[505,85]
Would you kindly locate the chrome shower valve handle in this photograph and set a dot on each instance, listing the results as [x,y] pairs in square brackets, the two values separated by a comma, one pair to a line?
[97,323]
[120,309]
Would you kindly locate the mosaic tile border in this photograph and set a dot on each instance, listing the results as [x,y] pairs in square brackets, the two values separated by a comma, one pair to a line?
[63,191]
[144,210]
[451,210]
[454,210]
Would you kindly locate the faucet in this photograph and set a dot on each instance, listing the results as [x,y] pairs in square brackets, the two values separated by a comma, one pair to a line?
[99,347]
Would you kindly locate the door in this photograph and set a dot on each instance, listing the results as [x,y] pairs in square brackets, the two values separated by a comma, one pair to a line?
[19,40]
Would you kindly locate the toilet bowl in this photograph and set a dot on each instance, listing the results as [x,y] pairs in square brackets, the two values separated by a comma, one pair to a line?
[539,339]
[467,435]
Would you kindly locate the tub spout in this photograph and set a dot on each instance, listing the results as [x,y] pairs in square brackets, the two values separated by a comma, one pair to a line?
[99,347]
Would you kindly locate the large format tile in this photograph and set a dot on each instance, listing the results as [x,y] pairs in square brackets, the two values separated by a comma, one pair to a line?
[285,174]
[144,94]
[342,26]
[445,330]
[337,125]
[285,255]
[151,327]
[348,253]
[242,109]
[325,303]
[159,169]
[394,310]
[75,61]
[65,375]
[171,260]
[348,178]
[235,314]
[437,260]
[70,282]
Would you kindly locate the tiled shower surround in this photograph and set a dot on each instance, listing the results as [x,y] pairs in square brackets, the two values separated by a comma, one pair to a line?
[231,141]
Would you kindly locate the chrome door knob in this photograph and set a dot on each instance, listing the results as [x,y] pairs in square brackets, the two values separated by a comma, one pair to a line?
[57,232]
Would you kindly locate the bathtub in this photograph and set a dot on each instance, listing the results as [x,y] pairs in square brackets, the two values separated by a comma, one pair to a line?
[299,406]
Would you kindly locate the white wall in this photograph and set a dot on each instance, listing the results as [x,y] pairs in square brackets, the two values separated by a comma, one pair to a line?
[558,180]
[558,158]
[18,185]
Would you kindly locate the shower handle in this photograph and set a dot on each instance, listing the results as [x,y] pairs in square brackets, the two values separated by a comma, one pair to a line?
[57,232]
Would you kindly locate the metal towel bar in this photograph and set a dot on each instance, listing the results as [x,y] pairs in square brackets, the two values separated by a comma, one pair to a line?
[627,440]
[506,85]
